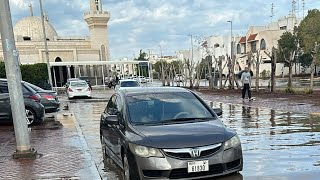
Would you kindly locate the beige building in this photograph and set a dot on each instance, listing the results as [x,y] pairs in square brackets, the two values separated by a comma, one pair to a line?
[69,49]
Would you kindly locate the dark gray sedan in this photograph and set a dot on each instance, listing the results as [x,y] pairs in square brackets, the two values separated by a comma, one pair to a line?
[48,99]
[167,133]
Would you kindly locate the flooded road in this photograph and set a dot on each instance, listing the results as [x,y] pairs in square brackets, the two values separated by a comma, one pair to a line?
[276,144]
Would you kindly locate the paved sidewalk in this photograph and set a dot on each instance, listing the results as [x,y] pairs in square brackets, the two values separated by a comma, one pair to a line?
[63,152]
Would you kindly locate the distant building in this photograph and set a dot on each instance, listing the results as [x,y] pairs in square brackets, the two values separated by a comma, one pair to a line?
[257,38]
[29,42]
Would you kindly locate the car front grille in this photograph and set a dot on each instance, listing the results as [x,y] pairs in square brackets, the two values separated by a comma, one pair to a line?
[185,153]
[183,173]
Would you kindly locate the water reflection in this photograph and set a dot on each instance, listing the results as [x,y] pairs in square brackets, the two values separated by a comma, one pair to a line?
[276,142]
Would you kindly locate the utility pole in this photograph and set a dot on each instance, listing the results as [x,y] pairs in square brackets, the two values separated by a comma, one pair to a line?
[232,58]
[13,73]
[162,68]
[45,45]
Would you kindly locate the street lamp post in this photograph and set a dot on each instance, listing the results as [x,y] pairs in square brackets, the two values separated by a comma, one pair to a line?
[231,58]
[45,45]
[162,70]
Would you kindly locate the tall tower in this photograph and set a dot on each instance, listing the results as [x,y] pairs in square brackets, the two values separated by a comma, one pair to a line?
[97,21]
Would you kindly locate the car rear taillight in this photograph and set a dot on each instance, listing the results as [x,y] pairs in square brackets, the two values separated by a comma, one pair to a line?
[35,98]
[70,90]
[48,97]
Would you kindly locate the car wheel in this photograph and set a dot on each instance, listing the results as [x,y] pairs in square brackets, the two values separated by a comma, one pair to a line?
[30,116]
[126,168]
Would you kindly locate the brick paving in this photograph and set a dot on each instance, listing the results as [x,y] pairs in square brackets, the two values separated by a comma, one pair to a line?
[63,153]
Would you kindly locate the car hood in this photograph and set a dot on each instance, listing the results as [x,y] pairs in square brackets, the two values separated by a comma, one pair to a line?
[183,134]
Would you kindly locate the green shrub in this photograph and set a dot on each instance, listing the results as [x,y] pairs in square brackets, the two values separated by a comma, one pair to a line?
[36,74]
[289,90]
[308,91]
[265,74]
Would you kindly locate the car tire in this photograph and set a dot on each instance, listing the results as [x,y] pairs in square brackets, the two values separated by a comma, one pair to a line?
[31,116]
[129,172]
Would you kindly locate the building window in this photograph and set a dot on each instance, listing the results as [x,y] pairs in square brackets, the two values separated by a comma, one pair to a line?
[27,38]
[283,27]
[97,5]
[254,46]
[263,45]
[238,49]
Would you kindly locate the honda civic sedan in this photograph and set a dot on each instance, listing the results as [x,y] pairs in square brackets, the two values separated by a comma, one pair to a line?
[167,133]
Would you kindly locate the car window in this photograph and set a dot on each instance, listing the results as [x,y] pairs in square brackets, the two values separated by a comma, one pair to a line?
[111,106]
[4,89]
[78,83]
[129,84]
[34,87]
[160,107]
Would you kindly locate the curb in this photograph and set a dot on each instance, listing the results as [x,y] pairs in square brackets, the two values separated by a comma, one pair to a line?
[94,172]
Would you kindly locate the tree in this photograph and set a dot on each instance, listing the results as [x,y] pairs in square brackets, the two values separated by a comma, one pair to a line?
[273,57]
[287,50]
[309,35]
[142,68]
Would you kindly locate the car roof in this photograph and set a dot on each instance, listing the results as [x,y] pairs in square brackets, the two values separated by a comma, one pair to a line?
[150,90]
[128,80]
[79,81]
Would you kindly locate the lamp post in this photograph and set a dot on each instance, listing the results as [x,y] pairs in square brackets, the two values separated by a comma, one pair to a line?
[231,58]
[45,45]
[162,70]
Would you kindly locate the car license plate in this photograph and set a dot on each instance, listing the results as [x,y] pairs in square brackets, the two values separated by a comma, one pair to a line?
[198,166]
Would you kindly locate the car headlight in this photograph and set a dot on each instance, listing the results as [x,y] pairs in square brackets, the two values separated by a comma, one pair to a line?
[143,151]
[232,143]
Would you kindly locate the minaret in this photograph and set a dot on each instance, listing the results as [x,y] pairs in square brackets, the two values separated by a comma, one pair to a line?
[97,21]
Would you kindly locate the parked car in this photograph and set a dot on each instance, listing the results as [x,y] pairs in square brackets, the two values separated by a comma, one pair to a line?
[69,80]
[34,109]
[85,78]
[179,78]
[142,79]
[78,88]
[125,83]
[167,133]
[48,99]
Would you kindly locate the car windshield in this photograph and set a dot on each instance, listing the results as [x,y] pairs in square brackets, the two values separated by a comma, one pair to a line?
[78,83]
[129,84]
[159,108]
[34,87]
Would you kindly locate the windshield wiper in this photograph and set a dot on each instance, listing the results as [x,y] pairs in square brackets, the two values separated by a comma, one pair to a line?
[186,119]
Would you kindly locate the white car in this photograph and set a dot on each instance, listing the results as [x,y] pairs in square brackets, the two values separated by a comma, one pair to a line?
[125,83]
[179,78]
[142,79]
[78,89]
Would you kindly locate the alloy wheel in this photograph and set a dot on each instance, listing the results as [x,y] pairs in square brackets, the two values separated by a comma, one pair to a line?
[30,116]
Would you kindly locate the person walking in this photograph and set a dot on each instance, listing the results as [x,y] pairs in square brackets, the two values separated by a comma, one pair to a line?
[246,83]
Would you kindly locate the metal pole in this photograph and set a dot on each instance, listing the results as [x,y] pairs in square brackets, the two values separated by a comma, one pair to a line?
[162,70]
[13,73]
[45,44]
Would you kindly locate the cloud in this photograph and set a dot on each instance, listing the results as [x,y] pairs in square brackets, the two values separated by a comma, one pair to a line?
[146,24]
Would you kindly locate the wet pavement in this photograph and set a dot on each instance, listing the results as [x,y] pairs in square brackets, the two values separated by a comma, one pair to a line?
[62,153]
[276,144]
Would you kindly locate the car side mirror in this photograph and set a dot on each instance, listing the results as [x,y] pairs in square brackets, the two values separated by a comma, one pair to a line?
[112,120]
[218,111]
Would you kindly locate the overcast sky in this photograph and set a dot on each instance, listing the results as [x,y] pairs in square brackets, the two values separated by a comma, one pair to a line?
[146,24]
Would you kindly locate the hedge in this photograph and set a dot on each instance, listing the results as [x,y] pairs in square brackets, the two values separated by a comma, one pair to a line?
[36,74]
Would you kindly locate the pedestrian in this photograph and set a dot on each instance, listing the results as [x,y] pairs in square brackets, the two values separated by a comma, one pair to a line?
[246,83]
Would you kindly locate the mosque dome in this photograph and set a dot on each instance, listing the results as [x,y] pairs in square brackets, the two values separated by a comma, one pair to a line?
[31,27]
